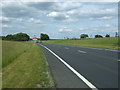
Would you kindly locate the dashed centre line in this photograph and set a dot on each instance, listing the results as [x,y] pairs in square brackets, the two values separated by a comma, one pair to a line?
[66,48]
[81,51]
[119,60]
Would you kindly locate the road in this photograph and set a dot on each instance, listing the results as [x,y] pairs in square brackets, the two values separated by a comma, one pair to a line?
[98,66]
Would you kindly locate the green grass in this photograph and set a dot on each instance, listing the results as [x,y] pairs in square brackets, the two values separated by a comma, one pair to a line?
[24,66]
[0,64]
[109,43]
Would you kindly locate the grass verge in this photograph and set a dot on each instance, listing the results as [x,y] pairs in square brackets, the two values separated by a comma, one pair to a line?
[108,43]
[27,67]
[0,64]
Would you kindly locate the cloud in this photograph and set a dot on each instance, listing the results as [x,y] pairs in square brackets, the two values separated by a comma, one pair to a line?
[105,18]
[107,25]
[4,18]
[93,0]
[67,5]
[17,10]
[101,14]
[6,26]
[58,15]
[42,5]
[54,6]
[65,29]
[32,20]
[63,0]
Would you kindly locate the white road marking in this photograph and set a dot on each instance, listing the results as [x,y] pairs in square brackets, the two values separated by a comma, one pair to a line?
[81,51]
[119,60]
[101,49]
[72,69]
[66,48]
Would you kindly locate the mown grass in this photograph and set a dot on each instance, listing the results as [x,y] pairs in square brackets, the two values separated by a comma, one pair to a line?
[108,43]
[24,66]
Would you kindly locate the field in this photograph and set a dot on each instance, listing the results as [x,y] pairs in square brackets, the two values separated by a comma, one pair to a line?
[108,43]
[24,66]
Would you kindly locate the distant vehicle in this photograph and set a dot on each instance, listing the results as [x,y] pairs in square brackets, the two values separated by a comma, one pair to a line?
[37,42]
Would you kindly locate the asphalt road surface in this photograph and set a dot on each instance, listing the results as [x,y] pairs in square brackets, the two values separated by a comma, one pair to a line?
[98,66]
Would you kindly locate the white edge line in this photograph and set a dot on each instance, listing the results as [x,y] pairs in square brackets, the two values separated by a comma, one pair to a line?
[73,70]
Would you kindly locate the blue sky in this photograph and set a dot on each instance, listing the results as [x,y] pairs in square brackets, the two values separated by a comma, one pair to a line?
[59,19]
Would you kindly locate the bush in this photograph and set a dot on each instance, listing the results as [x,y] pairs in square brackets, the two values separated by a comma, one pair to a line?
[83,35]
[107,35]
[98,36]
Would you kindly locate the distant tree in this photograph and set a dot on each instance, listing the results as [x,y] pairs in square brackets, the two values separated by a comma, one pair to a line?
[98,36]
[67,38]
[83,35]
[116,34]
[9,37]
[44,36]
[3,37]
[107,35]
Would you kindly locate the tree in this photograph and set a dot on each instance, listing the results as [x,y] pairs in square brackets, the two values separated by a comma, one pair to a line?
[98,36]
[21,37]
[17,37]
[44,36]
[107,35]
[9,37]
[83,35]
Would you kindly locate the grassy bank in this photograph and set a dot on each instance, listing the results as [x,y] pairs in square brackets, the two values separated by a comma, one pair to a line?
[0,64]
[24,66]
[109,43]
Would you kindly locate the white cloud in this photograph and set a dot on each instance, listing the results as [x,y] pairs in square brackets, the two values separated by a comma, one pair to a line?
[29,1]
[67,5]
[96,11]
[107,25]
[6,26]
[58,15]
[19,19]
[105,18]
[65,29]
[93,13]
[53,14]
[32,20]
[93,0]
[63,0]
[2,18]
[61,17]
[8,19]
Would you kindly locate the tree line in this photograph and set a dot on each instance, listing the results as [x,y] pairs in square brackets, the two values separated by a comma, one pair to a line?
[96,36]
[17,37]
[25,37]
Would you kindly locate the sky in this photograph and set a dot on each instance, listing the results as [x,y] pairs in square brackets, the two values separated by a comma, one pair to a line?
[59,19]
